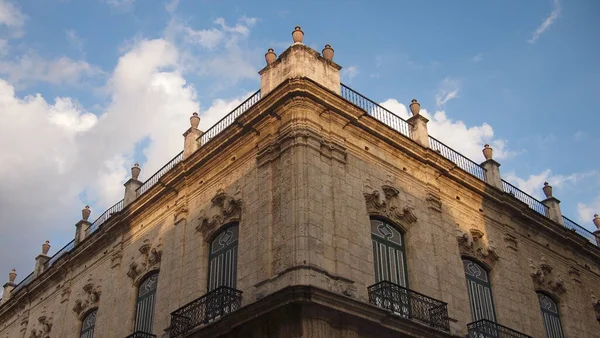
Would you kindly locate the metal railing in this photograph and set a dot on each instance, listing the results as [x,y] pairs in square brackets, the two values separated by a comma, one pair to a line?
[160,173]
[569,224]
[230,118]
[525,198]
[387,117]
[461,161]
[105,216]
[23,284]
[65,250]
[213,305]
[487,329]
[140,334]
[410,304]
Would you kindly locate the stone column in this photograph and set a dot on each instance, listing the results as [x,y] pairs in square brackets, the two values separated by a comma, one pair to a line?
[132,185]
[597,224]
[83,226]
[192,136]
[418,125]
[9,286]
[41,259]
[492,168]
[553,205]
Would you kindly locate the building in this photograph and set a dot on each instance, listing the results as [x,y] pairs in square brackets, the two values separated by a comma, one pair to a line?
[311,211]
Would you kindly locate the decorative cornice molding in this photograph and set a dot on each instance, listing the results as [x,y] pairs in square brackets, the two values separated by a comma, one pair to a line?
[88,299]
[544,279]
[470,244]
[388,207]
[228,209]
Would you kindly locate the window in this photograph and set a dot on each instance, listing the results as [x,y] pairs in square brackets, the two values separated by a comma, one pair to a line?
[388,253]
[222,265]
[145,303]
[89,322]
[480,291]
[551,316]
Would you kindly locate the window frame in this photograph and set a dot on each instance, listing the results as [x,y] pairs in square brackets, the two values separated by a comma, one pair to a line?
[137,326]
[482,283]
[84,332]
[544,311]
[400,247]
[233,245]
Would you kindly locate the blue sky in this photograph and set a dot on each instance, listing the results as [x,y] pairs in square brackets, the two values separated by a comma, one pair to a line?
[89,87]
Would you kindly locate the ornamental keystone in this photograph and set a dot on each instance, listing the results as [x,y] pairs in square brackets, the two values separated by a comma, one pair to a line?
[45,248]
[12,275]
[487,152]
[270,57]
[297,35]
[328,52]
[547,190]
[135,171]
[415,107]
[194,120]
[85,213]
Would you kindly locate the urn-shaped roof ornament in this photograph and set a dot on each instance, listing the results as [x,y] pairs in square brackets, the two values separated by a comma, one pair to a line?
[597,221]
[547,190]
[488,152]
[415,107]
[45,248]
[328,52]
[12,275]
[194,120]
[298,35]
[85,213]
[135,171]
[270,57]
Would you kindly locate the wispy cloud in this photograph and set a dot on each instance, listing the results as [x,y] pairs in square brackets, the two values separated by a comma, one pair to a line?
[550,19]
[448,90]
[477,58]
[123,5]
[350,72]
[74,40]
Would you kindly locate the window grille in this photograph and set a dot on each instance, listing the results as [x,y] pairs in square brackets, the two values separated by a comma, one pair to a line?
[88,325]
[551,316]
[145,304]
[480,291]
[222,264]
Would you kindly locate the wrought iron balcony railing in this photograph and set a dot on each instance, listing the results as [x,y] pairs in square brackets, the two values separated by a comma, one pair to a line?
[140,334]
[410,304]
[213,305]
[487,329]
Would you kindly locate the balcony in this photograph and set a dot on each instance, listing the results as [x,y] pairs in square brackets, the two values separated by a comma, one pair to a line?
[410,305]
[488,329]
[140,334]
[205,309]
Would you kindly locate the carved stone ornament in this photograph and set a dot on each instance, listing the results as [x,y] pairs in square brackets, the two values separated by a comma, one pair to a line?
[575,274]
[149,259]
[470,244]
[228,209]
[42,328]
[88,299]
[511,241]
[389,207]
[544,279]
[596,306]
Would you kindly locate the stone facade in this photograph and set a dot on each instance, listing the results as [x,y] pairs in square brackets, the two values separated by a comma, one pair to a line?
[302,171]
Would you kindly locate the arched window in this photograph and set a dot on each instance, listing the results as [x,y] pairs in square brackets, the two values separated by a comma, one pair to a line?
[480,291]
[146,299]
[551,316]
[87,327]
[388,253]
[222,264]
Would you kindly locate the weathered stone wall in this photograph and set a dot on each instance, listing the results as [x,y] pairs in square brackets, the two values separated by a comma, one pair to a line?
[306,179]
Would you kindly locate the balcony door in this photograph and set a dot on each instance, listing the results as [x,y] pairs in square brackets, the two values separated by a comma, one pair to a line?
[222,266]
[480,291]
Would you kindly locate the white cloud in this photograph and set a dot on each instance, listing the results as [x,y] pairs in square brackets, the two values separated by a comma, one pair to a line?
[124,5]
[448,90]
[171,6]
[74,39]
[468,141]
[31,67]
[548,21]
[533,183]
[10,15]
[580,135]
[350,72]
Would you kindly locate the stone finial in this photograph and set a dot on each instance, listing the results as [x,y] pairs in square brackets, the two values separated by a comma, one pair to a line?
[270,57]
[194,121]
[298,35]
[328,52]
[45,248]
[85,213]
[135,171]
[547,190]
[415,107]
[487,152]
[597,221]
[12,275]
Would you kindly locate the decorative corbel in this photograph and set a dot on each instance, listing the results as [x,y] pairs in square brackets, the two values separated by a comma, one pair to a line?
[545,279]
[470,244]
[228,209]
[149,259]
[388,207]
[45,326]
[89,299]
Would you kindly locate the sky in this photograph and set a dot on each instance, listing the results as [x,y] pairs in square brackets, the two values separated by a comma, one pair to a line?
[87,88]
